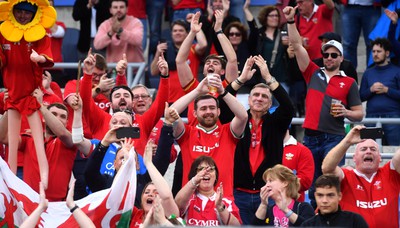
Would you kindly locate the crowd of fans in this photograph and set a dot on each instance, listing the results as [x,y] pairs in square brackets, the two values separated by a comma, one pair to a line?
[233,166]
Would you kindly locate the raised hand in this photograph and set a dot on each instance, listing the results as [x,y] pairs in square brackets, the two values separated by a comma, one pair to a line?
[148,152]
[70,196]
[247,72]
[219,17]
[262,64]
[122,65]
[219,196]
[76,102]
[162,65]
[170,114]
[89,63]
[105,83]
[195,26]
[289,12]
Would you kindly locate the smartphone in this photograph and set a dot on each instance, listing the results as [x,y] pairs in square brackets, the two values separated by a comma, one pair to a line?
[371,133]
[162,40]
[128,132]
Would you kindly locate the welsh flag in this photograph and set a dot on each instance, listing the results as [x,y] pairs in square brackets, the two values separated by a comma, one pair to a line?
[107,208]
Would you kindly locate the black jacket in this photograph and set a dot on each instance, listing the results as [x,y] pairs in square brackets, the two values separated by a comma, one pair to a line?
[273,131]
[304,212]
[337,219]
[82,14]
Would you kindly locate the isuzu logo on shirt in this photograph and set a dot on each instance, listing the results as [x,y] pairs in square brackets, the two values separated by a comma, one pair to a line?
[373,204]
[204,149]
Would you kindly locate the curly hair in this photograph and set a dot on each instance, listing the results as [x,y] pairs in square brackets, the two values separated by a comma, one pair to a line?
[239,26]
[264,12]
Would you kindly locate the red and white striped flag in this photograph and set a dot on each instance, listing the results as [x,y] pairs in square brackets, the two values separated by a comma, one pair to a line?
[107,208]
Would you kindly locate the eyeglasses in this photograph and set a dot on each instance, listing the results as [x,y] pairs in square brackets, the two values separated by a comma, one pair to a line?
[273,15]
[143,96]
[95,75]
[333,55]
[200,168]
[237,34]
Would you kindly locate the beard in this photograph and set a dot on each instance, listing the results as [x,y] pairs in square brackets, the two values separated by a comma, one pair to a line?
[122,17]
[379,62]
[207,124]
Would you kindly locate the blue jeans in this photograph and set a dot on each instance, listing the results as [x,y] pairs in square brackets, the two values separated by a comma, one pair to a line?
[355,18]
[154,11]
[181,13]
[144,41]
[391,131]
[247,204]
[320,145]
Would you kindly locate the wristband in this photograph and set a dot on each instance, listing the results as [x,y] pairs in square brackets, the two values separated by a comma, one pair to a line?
[77,134]
[223,94]
[290,22]
[270,82]
[239,82]
[102,147]
[219,32]
[289,213]
[74,208]
[193,183]
[164,76]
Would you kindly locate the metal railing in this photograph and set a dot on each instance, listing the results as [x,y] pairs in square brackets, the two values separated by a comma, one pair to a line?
[131,79]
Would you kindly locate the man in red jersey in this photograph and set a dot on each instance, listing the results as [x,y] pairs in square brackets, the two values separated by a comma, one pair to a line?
[368,190]
[209,137]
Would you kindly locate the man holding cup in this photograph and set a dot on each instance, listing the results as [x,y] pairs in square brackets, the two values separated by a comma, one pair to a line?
[323,131]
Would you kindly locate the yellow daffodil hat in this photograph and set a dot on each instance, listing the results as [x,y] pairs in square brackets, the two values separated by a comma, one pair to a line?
[45,17]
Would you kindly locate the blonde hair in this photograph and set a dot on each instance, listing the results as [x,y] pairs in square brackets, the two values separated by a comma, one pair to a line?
[284,174]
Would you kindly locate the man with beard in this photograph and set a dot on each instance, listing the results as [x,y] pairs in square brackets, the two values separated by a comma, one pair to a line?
[380,87]
[120,34]
[209,137]
[324,126]
[122,98]
[368,189]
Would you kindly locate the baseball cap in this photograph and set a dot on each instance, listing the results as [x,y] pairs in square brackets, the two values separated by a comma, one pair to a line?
[331,36]
[26,6]
[333,43]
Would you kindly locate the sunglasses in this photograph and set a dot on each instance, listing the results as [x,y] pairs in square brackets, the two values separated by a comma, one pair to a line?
[333,55]
[237,34]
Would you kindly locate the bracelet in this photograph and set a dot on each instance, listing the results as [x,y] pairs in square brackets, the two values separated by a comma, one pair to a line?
[289,213]
[229,219]
[164,76]
[239,82]
[102,147]
[223,94]
[194,183]
[74,208]
[290,22]
[221,209]
[109,35]
[270,82]
[219,32]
